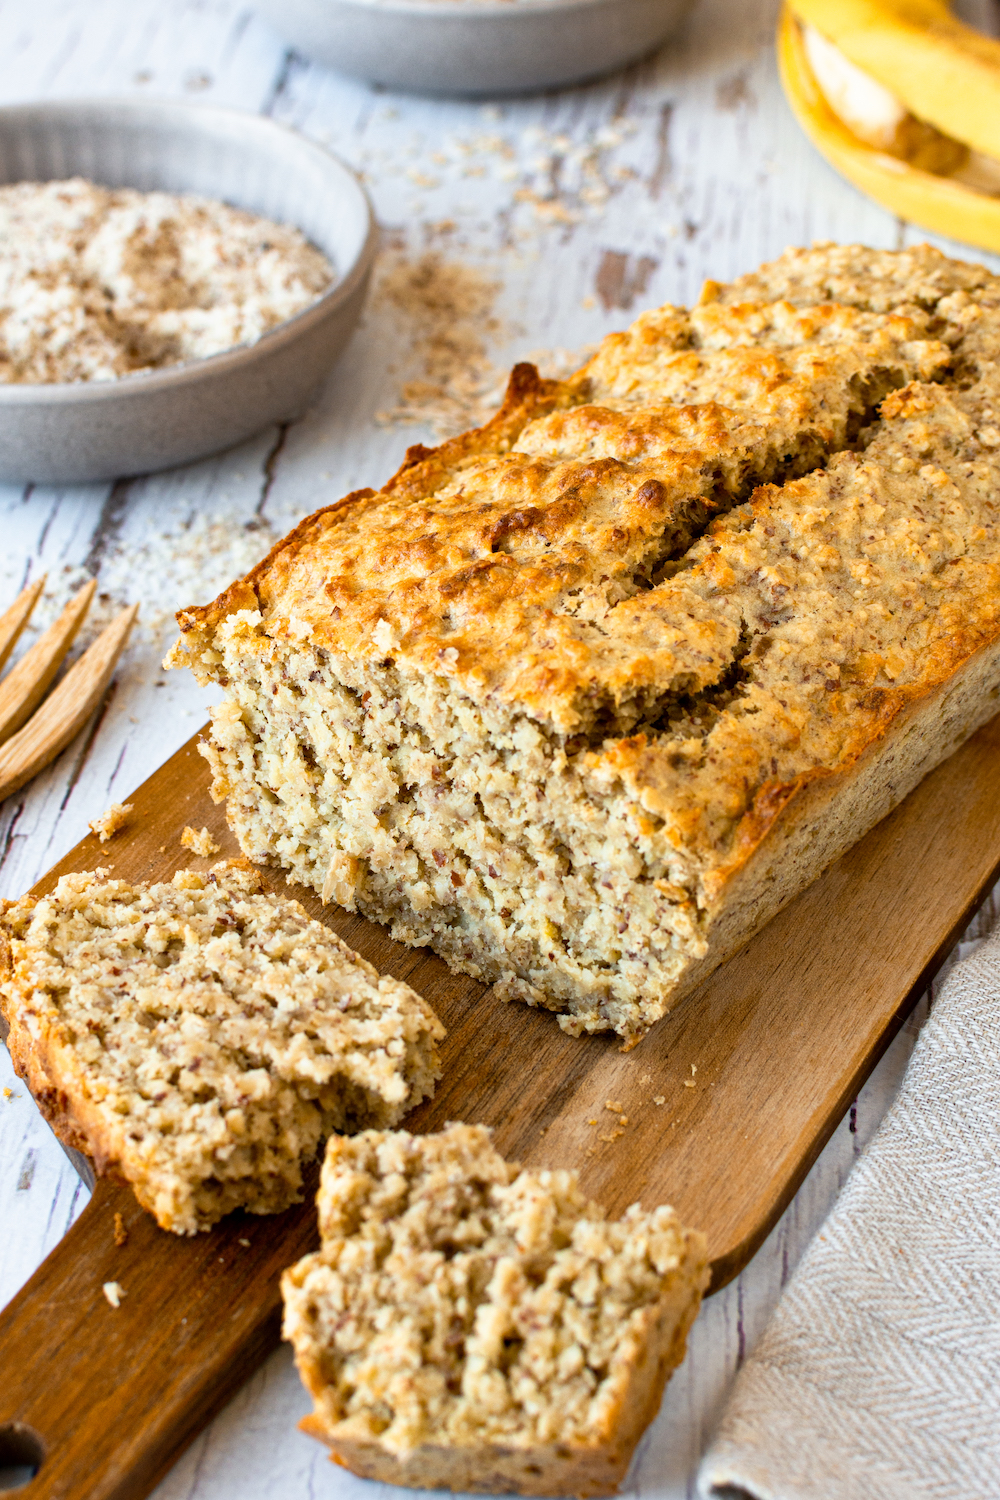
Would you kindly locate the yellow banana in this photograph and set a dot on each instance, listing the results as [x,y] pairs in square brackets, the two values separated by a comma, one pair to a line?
[936,203]
[943,71]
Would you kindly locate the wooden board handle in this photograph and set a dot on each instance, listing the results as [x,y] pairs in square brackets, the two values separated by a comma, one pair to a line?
[114,1395]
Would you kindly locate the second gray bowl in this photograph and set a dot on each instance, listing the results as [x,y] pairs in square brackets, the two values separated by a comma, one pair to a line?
[475,46]
[91,430]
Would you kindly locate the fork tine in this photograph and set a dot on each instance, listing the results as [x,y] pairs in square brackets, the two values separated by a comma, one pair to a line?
[13,621]
[64,714]
[25,685]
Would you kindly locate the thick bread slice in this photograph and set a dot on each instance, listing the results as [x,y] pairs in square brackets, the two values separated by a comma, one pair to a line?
[470,1326]
[200,1038]
[581,699]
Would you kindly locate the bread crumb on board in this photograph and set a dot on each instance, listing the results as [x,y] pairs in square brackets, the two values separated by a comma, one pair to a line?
[201,843]
[108,824]
[121,1233]
[114,1291]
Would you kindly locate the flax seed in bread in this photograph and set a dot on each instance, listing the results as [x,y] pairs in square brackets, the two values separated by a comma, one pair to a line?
[472,1326]
[581,699]
[200,1038]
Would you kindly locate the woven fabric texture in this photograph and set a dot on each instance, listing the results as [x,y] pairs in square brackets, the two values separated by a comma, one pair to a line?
[878,1378]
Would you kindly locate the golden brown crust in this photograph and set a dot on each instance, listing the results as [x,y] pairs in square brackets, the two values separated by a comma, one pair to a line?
[527,395]
[706,583]
[483,546]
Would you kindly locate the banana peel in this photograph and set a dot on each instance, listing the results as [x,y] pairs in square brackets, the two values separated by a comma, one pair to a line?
[942,70]
[936,203]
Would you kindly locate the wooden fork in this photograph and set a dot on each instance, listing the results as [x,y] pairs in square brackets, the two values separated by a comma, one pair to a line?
[32,732]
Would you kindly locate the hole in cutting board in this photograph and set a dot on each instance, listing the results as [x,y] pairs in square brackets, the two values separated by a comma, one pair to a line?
[21,1454]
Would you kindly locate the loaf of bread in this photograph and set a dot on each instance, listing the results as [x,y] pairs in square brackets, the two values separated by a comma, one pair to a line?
[470,1326]
[200,1038]
[582,698]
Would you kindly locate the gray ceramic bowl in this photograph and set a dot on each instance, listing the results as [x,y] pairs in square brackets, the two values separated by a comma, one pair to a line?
[475,46]
[70,433]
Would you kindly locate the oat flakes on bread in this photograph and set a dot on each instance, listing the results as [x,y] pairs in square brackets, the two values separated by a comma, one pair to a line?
[582,698]
[471,1326]
[199,1038]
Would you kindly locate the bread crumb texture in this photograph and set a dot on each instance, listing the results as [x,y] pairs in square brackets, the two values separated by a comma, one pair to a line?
[200,1037]
[472,1326]
[580,699]
[96,283]
[201,843]
[109,823]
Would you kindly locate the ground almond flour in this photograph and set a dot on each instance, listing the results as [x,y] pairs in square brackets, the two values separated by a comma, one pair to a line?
[96,284]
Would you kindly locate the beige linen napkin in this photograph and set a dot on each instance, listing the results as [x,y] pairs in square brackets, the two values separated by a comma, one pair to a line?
[878,1377]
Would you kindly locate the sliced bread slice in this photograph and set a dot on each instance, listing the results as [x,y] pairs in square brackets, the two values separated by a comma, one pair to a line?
[200,1037]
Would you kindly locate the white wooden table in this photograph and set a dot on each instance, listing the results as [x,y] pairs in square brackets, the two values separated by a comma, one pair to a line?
[558,218]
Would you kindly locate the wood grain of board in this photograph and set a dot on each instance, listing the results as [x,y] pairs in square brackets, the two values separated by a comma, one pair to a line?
[753,1070]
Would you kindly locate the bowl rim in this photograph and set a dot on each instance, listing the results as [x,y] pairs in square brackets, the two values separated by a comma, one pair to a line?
[513,9]
[147,382]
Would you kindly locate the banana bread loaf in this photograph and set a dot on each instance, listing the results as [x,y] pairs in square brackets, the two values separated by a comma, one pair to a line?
[472,1326]
[582,698]
[200,1038]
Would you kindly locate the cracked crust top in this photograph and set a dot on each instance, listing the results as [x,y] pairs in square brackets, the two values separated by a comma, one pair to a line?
[498,561]
[562,561]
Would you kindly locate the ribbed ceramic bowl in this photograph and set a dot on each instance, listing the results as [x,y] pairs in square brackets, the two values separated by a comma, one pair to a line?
[475,46]
[70,433]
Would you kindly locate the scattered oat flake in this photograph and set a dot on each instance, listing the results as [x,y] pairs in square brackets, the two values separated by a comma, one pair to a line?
[592,1122]
[201,843]
[689,1083]
[114,1291]
[447,317]
[121,1233]
[246,1243]
[659,1098]
[613,1105]
[108,824]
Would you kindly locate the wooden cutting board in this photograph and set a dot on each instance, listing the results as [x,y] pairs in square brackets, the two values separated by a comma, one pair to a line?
[753,1071]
